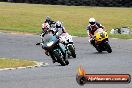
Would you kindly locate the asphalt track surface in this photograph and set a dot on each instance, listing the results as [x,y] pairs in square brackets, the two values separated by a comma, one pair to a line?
[56,76]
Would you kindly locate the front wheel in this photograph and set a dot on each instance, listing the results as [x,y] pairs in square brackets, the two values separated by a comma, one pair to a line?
[60,59]
[108,48]
[98,48]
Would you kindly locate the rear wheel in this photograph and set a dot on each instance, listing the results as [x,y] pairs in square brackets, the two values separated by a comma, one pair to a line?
[72,50]
[67,62]
[108,48]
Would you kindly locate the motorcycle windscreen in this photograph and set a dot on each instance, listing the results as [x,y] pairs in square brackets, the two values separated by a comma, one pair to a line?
[48,38]
[99,30]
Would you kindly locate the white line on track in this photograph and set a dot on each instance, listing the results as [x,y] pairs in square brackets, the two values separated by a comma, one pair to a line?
[38,64]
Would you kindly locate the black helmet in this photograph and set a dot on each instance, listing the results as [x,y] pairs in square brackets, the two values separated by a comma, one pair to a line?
[48,18]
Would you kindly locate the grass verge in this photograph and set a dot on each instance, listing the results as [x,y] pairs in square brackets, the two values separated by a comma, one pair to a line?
[13,63]
[23,17]
[122,36]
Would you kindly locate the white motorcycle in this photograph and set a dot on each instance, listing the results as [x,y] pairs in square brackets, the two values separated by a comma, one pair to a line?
[66,39]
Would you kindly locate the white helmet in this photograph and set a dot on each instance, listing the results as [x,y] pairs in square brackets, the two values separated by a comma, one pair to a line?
[58,24]
[92,21]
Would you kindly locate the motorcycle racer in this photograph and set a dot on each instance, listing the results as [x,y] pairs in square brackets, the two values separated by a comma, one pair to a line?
[91,28]
[45,28]
[49,21]
[65,38]
[59,28]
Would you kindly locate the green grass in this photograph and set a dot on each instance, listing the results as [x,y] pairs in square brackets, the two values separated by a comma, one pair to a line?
[12,63]
[29,17]
[122,36]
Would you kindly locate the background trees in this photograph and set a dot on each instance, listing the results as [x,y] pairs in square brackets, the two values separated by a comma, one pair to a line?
[108,3]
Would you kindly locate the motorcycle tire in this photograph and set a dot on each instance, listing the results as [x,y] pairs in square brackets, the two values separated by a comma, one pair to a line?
[108,48]
[66,62]
[60,59]
[98,49]
[72,50]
